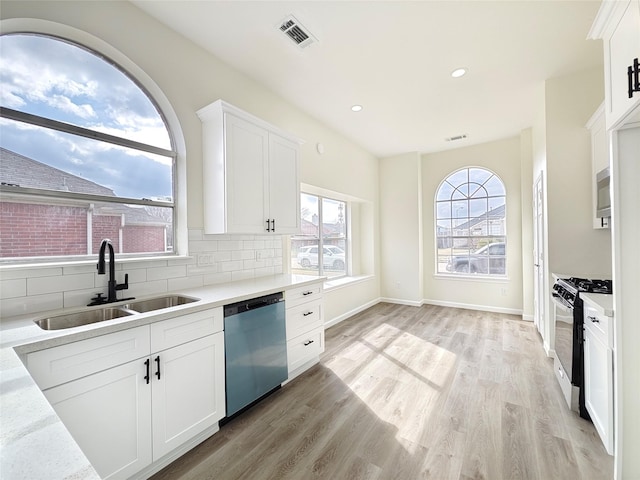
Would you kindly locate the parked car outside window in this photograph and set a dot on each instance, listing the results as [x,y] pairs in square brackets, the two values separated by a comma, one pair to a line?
[489,259]
[332,258]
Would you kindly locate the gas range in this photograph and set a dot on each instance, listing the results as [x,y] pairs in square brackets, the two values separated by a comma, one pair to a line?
[567,290]
[569,332]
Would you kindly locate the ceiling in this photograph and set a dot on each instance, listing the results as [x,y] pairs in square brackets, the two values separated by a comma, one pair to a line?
[395,59]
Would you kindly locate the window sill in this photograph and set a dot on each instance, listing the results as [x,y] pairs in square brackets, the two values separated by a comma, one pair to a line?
[26,265]
[471,278]
[333,284]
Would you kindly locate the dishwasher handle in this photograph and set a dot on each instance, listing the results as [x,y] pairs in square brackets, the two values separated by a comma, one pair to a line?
[252,304]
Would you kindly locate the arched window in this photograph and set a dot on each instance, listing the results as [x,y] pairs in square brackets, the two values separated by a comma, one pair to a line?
[85,154]
[471,229]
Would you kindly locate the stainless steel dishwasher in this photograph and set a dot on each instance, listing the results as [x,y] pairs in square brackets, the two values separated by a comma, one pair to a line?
[255,350]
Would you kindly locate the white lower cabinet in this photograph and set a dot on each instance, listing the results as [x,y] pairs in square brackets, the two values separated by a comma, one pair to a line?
[598,374]
[189,395]
[305,327]
[109,416]
[126,418]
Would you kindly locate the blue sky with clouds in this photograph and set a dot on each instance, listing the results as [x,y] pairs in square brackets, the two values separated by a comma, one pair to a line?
[63,82]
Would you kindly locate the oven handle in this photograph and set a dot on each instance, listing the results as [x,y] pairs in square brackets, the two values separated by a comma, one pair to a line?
[556,300]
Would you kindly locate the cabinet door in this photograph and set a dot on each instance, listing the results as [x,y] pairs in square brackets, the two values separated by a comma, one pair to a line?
[598,380]
[284,191]
[109,416]
[304,349]
[188,396]
[246,150]
[620,50]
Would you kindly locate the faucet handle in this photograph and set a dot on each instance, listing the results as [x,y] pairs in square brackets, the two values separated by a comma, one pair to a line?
[97,300]
[125,285]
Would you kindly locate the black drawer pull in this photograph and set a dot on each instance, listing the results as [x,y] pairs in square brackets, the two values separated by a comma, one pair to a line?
[307,314]
[146,377]
[306,293]
[594,319]
[157,360]
[308,342]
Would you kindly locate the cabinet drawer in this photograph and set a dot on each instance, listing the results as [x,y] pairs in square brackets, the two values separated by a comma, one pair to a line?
[303,318]
[300,295]
[183,329]
[598,324]
[304,348]
[64,363]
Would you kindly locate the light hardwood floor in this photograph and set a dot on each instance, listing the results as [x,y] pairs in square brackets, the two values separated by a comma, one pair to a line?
[411,393]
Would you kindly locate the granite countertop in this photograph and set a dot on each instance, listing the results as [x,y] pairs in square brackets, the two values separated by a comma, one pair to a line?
[35,443]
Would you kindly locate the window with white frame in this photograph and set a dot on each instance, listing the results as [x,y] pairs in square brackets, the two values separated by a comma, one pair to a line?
[321,247]
[471,232]
[85,154]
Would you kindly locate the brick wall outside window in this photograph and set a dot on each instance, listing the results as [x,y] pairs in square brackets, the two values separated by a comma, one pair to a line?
[28,230]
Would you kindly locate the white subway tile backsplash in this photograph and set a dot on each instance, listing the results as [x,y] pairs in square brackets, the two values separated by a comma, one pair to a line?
[30,304]
[231,266]
[243,255]
[75,269]
[227,245]
[8,274]
[214,259]
[13,288]
[216,278]
[199,247]
[62,283]
[185,282]
[242,275]
[220,257]
[148,288]
[166,272]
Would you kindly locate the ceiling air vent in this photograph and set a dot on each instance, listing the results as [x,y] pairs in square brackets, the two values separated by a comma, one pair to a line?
[293,29]
[456,137]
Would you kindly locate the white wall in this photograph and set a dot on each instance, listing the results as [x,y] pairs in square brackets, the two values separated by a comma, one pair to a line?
[190,78]
[574,246]
[503,158]
[401,234]
[526,192]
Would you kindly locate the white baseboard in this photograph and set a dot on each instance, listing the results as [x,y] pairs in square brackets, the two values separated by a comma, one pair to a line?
[413,303]
[482,308]
[528,317]
[401,301]
[350,313]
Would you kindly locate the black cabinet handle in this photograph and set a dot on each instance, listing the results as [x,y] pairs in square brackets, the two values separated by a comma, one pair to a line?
[157,360]
[146,377]
[273,225]
[306,293]
[633,75]
[594,319]
[308,342]
[307,314]
[268,226]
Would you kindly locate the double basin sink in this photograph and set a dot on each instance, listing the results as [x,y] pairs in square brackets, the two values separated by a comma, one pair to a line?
[100,314]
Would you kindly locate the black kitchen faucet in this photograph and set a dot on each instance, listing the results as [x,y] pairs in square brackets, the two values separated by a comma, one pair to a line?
[112,285]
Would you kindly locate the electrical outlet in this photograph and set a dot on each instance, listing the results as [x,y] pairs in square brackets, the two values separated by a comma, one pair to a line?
[204,259]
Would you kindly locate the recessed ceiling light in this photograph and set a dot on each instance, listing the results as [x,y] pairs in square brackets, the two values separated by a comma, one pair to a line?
[458,72]
[356,108]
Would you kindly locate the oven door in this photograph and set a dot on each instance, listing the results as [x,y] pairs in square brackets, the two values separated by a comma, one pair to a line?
[564,336]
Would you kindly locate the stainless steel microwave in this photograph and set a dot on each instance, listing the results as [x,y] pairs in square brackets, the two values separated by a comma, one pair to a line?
[603,186]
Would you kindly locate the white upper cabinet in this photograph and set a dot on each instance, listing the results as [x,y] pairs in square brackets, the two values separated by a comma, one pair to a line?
[251,174]
[618,25]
